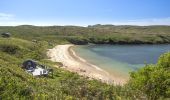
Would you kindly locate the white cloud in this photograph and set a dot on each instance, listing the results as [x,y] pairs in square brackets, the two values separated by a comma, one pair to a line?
[11,20]
[16,23]
[145,22]
[5,16]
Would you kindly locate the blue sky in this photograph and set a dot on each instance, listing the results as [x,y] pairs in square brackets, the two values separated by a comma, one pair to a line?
[84,12]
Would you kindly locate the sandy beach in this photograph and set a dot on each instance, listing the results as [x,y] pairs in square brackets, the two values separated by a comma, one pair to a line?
[73,63]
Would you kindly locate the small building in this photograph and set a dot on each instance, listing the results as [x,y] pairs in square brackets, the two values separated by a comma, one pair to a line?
[6,35]
[35,69]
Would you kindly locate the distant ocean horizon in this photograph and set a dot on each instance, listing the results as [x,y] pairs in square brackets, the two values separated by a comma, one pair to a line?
[119,60]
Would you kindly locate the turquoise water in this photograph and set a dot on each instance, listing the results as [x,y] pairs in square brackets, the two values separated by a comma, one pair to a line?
[119,60]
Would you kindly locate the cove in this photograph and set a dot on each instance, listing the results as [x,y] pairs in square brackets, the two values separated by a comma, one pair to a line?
[119,60]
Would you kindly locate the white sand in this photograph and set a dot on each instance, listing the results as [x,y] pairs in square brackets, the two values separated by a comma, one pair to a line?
[73,63]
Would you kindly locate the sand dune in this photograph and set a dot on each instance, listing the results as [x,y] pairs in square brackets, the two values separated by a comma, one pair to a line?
[73,63]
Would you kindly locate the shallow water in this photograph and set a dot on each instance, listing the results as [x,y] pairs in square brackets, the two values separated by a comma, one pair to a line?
[119,60]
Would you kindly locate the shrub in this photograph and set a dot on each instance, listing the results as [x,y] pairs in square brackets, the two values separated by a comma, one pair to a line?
[153,80]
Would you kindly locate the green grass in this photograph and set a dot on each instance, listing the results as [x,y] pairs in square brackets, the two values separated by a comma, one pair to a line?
[29,42]
[16,83]
[99,34]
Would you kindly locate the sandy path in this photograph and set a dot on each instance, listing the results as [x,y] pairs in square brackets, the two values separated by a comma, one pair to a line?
[71,62]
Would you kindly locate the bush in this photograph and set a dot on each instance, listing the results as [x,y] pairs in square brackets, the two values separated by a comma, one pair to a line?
[9,48]
[153,80]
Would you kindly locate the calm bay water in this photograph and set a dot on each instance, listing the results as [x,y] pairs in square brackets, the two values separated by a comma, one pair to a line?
[119,60]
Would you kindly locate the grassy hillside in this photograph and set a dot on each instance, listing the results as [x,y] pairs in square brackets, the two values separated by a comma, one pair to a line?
[16,83]
[99,34]
[30,42]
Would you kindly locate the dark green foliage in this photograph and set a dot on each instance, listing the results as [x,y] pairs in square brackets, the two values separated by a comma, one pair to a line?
[6,35]
[11,49]
[78,40]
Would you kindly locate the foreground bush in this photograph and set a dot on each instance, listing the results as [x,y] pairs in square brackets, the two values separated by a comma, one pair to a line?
[153,80]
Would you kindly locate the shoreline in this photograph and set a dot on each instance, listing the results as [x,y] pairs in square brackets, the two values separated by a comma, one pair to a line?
[72,62]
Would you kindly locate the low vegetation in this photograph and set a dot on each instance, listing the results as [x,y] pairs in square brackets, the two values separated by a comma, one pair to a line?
[152,82]
[98,34]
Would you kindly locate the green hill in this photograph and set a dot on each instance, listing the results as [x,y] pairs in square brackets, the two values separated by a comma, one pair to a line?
[98,34]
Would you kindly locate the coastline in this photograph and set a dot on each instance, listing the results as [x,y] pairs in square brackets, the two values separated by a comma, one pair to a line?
[72,62]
